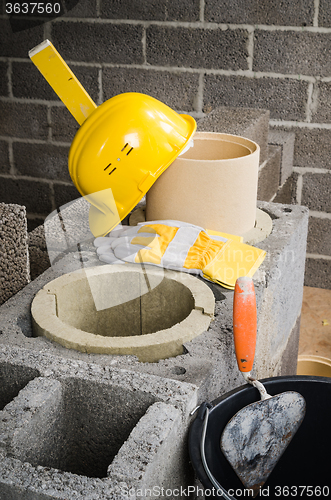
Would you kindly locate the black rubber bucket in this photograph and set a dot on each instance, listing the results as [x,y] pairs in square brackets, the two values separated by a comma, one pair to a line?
[304,469]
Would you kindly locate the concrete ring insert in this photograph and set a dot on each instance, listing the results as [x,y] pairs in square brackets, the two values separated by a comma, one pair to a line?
[124,309]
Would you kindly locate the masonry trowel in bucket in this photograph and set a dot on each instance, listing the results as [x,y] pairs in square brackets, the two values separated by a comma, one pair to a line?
[256,437]
[123,145]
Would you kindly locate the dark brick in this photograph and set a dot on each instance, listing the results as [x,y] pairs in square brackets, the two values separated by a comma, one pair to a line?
[295,13]
[269,175]
[45,161]
[318,273]
[177,90]
[98,42]
[286,141]
[89,78]
[285,98]
[23,120]
[196,47]
[4,79]
[18,44]
[148,10]
[34,195]
[64,193]
[83,8]
[322,102]
[301,53]
[324,13]
[287,193]
[316,191]
[319,236]
[4,158]
[312,147]
[28,82]
[64,125]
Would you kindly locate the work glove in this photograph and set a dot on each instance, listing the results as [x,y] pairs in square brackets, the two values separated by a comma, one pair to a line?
[182,247]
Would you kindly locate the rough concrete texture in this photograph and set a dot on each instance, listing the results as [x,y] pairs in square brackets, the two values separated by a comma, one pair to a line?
[144,311]
[60,434]
[286,194]
[285,260]
[14,264]
[39,260]
[250,123]
[286,141]
[297,13]
[93,394]
[269,175]
[318,273]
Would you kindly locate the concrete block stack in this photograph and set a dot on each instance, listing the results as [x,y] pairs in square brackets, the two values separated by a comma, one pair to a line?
[94,426]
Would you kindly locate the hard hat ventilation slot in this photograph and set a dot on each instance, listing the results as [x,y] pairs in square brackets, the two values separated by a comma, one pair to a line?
[112,171]
[107,166]
[125,146]
[129,152]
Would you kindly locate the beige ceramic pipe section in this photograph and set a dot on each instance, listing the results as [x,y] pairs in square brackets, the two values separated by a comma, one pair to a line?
[213,185]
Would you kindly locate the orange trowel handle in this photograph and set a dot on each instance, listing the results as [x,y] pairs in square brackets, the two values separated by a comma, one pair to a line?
[244,323]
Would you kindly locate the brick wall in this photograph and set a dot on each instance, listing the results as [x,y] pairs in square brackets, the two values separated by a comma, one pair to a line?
[194,55]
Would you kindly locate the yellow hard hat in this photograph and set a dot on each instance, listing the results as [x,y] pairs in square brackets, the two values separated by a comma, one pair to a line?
[120,151]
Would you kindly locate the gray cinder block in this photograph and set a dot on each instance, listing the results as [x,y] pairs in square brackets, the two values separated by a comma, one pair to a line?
[4,158]
[102,42]
[14,264]
[294,52]
[246,122]
[3,79]
[285,98]
[28,82]
[177,90]
[32,124]
[324,14]
[312,148]
[39,259]
[46,161]
[319,236]
[162,10]
[64,125]
[296,13]
[321,102]
[17,44]
[318,273]
[111,424]
[286,141]
[80,431]
[316,192]
[196,47]
[35,195]
[269,175]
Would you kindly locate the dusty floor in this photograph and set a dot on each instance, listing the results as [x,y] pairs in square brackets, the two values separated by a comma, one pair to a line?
[315,330]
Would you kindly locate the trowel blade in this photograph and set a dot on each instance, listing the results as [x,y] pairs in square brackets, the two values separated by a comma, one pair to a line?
[256,437]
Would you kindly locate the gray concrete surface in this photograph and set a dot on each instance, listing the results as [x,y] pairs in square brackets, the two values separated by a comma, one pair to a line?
[14,262]
[60,406]
[286,141]
[62,431]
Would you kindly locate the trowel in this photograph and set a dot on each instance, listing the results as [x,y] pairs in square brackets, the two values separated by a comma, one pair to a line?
[256,437]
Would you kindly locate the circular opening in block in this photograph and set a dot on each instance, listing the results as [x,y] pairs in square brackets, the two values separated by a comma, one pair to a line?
[215,150]
[124,309]
[169,303]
